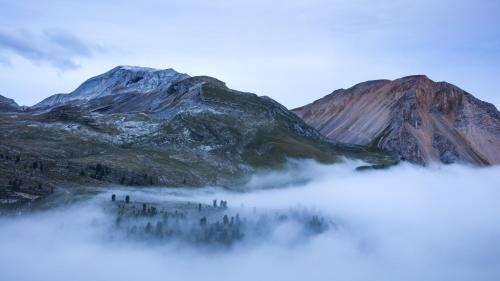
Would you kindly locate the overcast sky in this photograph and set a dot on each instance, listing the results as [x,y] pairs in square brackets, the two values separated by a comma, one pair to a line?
[293,51]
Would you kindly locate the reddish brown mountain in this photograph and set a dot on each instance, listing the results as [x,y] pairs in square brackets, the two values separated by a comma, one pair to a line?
[415,118]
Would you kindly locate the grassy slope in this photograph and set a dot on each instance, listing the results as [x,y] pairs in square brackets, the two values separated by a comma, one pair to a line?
[246,133]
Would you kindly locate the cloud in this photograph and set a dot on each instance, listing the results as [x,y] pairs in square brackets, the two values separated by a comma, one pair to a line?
[4,61]
[55,47]
[405,223]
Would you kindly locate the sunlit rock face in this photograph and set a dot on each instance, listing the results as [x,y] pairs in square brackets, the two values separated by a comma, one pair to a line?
[415,118]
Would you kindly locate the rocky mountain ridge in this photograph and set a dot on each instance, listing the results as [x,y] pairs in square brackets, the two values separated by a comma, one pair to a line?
[8,105]
[119,80]
[414,118]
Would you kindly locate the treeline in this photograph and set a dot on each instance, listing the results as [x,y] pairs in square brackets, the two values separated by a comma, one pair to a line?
[22,173]
[16,166]
[102,172]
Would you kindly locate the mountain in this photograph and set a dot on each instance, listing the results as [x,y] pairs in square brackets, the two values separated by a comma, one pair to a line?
[8,105]
[119,80]
[414,118]
[163,129]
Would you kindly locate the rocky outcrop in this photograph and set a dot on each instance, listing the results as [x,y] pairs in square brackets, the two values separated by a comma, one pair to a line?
[414,118]
[8,105]
[119,80]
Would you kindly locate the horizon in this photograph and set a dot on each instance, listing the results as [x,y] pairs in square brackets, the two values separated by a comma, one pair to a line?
[173,68]
[294,52]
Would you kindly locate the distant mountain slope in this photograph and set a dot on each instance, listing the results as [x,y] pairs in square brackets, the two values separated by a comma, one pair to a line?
[8,105]
[119,80]
[186,131]
[415,118]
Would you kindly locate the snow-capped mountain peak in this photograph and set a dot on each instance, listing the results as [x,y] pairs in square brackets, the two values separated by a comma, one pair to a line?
[119,80]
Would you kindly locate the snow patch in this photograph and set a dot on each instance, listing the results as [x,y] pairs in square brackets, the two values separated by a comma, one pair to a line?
[137,68]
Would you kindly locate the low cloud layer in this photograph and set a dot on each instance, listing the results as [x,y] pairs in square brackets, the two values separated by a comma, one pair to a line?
[405,223]
[55,47]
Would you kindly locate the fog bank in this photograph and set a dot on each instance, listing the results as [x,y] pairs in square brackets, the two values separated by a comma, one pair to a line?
[405,223]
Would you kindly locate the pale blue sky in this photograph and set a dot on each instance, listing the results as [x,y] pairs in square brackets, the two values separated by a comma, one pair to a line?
[293,51]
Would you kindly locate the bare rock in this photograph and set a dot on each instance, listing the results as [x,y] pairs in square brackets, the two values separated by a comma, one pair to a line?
[414,118]
[8,105]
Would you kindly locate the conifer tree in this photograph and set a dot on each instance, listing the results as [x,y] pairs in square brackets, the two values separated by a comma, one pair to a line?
[148,227]
[159,228]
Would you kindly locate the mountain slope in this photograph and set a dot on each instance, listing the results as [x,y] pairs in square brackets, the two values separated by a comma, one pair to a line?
[8,105]
[414,118]
[119,80]
[190,132]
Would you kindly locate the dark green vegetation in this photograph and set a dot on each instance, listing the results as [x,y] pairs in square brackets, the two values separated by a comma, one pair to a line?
[210,225]
[195,132]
